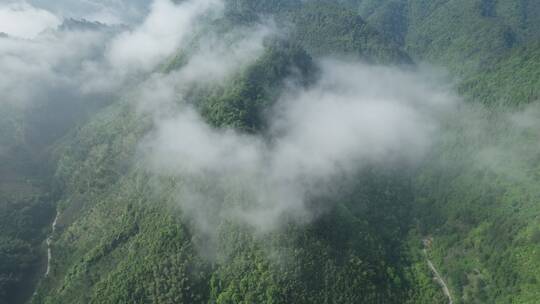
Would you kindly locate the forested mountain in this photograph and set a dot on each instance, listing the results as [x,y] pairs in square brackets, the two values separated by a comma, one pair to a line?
[476,39]
[486,217]
[284,151]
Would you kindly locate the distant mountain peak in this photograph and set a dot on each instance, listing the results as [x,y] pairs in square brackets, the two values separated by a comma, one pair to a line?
[72,24]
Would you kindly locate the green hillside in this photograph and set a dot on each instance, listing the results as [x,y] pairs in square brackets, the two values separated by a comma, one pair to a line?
[491,46]
[483,214]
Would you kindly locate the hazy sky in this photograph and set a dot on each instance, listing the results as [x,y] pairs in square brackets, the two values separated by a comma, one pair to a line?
[27,18]
[41,61]
[107,11]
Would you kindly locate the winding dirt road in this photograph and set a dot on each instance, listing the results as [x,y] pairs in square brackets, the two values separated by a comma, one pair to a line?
[49,241]
[437,275]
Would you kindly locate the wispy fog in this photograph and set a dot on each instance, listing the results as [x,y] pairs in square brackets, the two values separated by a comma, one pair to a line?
[45,58]
[104,11]
[160,35]
[25,21]
[354,116]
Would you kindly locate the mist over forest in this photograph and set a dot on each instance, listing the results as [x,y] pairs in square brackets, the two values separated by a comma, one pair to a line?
[284,151]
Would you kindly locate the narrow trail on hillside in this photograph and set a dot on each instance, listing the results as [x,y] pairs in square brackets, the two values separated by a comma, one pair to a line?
[49,241]
[436,273]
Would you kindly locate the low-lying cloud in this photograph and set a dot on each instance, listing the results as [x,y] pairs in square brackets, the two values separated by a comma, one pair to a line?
[25,21]
[160,35]
[44,58]
[354,116]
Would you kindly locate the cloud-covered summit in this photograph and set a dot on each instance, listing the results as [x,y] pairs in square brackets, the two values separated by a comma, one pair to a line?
[354,116]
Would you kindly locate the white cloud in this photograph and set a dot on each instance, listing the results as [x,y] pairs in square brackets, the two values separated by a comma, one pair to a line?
[356,115]
[48,67]
[84,62]
[161,34]
[25,21]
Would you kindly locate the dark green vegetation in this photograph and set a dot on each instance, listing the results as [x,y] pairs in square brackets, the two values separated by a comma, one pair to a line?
[322,28]
[241,105]
[482,208]
[120,241]
[491,44]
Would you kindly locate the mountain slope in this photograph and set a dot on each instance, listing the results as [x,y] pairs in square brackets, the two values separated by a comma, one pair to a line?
[481,207]
[324,28]
[480,41]
[480,203]
[119,241]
